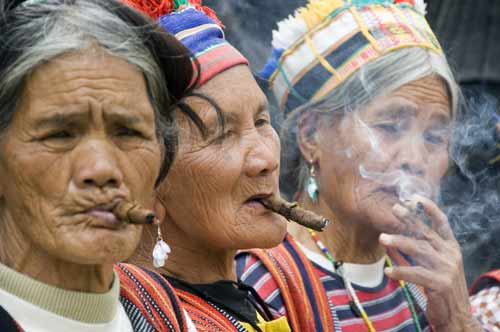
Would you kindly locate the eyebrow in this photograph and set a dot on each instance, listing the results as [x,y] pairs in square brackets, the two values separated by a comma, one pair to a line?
[59,119]
[441,119]
[263,107]
[231,118]
[68,118]
[395,110]
[124,117]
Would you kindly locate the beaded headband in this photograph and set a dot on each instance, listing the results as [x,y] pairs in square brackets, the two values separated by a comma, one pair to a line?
[198,28]
[328,40]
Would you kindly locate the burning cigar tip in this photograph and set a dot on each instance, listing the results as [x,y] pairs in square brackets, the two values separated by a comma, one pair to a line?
[150,218]
[133,213]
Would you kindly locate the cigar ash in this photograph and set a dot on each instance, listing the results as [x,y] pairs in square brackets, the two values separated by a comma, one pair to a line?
[417,213]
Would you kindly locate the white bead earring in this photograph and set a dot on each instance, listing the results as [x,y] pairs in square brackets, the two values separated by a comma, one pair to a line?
[312,185]
[160,251]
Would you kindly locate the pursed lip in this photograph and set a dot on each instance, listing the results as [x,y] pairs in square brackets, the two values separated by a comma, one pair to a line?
[256,199]
[255,202]
[102,214]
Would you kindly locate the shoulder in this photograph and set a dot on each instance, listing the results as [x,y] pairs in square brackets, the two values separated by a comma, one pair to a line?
[276,274]
[7,323]
[254,270]
[148,299]
[485,300]
[486,280]
[486,307]
[301,293]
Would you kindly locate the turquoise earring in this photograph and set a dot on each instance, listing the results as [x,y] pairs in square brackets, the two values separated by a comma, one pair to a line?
[312,185]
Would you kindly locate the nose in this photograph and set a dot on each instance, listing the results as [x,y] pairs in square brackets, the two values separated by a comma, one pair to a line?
[413,157]
[263,156]
[96,166]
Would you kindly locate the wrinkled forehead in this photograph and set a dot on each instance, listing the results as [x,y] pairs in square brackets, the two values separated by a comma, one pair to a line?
[234,92]
[81,73]
[424,98]
[86,65]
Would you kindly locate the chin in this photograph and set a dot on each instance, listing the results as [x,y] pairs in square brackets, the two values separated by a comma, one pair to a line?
[266,232]
[107,248]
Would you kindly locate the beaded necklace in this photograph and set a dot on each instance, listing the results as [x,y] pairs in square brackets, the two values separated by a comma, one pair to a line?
[354,302]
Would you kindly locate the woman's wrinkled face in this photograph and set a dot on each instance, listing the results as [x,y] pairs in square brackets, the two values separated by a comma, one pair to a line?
[212,189]
[394,147]
[82,139]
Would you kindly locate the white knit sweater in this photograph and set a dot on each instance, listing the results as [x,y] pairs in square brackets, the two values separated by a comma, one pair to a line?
[38,307]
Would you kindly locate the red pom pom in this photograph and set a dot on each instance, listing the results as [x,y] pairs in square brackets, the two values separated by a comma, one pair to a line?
[152,8]
[158,8]
[411,2]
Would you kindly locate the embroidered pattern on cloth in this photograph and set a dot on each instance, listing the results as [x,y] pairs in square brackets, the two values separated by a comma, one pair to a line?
[386,304]
[149,301]
[486,304]
[327,41]
[207,317]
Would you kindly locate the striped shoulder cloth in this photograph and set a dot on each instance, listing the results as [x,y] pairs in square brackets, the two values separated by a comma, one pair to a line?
[149,301]
[302,293]
[300,289]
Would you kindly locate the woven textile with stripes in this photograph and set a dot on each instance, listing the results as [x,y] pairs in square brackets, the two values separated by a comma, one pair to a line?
[149,301]
[327,41]
[315,300]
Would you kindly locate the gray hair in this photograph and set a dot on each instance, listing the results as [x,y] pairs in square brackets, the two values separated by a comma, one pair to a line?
[35,32]
[377,78]
[45,29]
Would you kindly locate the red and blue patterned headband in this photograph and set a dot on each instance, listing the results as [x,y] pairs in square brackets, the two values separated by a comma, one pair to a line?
[198,28]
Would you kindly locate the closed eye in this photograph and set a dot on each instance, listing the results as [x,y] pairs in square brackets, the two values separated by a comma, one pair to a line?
[389,128]
[261,122]
[434,138]
[57,135]
[128,132]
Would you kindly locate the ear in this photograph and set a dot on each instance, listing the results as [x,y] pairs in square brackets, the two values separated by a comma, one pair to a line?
[307,138]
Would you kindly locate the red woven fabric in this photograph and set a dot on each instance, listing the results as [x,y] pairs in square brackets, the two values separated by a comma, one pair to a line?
[411,2]
[152,8]
[157,8]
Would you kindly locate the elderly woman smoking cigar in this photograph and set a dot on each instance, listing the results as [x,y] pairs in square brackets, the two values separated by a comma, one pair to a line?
[83,100]
[212,201]
[369,103]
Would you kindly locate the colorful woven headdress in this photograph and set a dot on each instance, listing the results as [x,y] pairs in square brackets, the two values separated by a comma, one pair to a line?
[324,43]
[198,28]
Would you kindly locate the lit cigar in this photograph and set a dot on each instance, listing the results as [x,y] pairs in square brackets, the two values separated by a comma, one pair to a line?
[293,212]
[417,210]
[133,213]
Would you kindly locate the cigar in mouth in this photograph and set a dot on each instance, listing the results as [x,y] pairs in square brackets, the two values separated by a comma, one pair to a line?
[133,213]
[293,212]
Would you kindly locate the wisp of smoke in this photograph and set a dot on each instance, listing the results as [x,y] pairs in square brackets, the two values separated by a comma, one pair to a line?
[470,192]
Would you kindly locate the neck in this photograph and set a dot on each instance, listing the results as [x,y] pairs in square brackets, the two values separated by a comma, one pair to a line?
[20,254]
[194,261]
[346,240]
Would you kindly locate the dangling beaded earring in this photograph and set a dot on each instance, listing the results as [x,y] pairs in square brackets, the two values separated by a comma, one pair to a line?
[312,185]
[160,251]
